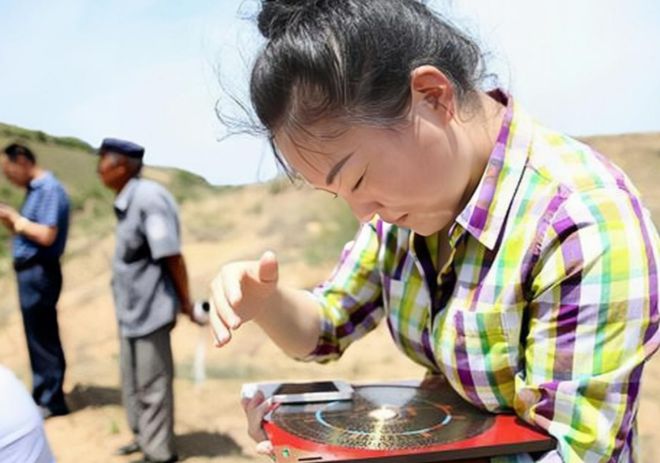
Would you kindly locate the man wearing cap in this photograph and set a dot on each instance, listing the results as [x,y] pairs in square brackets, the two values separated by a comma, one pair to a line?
[150,285]
[40,231]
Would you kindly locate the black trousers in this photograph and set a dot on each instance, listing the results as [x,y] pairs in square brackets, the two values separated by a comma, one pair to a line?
[39,287]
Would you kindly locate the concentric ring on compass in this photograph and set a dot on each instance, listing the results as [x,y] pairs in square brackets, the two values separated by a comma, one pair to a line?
[385,418]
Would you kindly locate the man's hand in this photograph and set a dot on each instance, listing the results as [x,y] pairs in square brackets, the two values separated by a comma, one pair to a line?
[187,309]
[9,216]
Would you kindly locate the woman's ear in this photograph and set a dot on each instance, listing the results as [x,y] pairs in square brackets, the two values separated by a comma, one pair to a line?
[432,89]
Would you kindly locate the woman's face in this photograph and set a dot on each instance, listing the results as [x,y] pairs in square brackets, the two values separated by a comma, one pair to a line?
[416,176]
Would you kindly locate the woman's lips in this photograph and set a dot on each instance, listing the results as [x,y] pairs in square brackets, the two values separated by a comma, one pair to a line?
[399,220]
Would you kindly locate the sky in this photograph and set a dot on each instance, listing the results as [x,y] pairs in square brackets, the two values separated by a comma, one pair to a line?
[147,70]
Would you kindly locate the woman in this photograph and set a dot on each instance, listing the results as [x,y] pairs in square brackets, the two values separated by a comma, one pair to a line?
[22,435]
[514,261]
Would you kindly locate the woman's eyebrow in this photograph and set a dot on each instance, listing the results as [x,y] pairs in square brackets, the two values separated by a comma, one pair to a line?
[336,168]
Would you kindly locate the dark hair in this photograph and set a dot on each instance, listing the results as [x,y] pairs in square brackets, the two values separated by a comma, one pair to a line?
[15,150]
[351,60]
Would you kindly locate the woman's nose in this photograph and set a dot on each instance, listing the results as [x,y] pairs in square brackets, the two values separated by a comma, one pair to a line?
[364,211]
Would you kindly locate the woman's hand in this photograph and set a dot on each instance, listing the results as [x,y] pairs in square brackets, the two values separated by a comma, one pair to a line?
[255,409]
[240,292]
[433,381]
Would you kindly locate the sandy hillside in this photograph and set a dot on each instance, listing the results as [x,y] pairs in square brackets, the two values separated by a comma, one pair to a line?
[209,423]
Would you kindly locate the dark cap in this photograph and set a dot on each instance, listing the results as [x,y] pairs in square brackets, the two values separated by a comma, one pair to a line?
[127,148]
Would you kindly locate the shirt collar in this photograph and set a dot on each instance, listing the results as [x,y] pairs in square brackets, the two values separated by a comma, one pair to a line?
[124,197]
[40,181]
[484,215]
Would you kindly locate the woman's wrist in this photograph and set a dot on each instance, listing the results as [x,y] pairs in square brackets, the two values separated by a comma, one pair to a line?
[270,306]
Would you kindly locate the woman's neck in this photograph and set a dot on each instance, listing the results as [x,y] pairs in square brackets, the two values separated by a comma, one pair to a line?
[486,127]
[481,128]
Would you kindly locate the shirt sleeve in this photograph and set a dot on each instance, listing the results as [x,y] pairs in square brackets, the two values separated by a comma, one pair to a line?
[593,322]
[351,299]
[48,210]
[161,227]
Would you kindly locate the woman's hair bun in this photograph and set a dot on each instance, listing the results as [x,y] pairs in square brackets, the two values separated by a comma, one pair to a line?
[275,15]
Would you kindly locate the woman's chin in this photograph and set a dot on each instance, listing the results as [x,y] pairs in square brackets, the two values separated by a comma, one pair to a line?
[424,227]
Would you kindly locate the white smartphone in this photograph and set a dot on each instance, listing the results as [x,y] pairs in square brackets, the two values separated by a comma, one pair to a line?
[301,392]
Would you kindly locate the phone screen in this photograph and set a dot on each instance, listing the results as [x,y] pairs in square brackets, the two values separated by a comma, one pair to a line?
[303,388]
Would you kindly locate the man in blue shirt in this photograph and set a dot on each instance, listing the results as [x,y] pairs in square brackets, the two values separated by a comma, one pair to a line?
[40,231]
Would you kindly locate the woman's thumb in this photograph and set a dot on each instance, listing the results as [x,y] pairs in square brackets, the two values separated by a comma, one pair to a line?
[268,268]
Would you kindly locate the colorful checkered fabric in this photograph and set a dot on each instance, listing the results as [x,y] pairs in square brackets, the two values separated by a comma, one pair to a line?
[548,305]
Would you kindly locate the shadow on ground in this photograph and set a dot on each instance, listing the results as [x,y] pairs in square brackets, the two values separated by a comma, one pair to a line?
[206,444]
[83,396]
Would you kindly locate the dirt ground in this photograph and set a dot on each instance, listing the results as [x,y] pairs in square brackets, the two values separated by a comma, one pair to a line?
[209,421]
[210,425]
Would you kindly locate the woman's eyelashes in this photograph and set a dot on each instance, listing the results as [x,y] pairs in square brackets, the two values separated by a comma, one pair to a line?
[332,193]
[359,182]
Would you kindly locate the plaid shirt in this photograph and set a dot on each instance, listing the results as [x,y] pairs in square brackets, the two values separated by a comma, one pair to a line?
[547,306]
[46,203]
